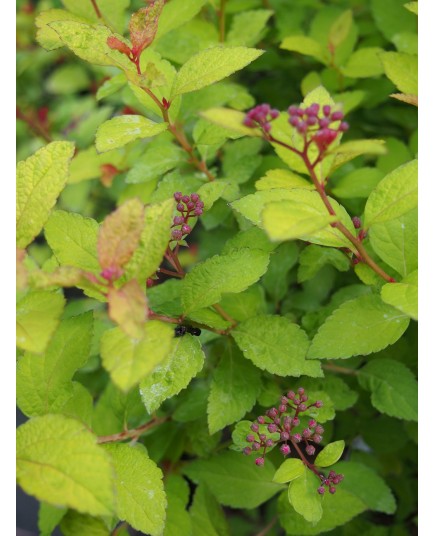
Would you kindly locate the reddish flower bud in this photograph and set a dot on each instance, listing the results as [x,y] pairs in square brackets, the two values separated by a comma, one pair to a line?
[247,451]
[177,196]
[260,461]
[310,449]
[285,450]
[321,490]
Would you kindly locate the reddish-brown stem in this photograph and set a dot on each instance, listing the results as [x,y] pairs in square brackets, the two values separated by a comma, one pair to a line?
[38,129]
[340,370]
[132,434]
[221,14]
[303,459]
[267,528]
[224,314]
[170,272]
[96,8]
[163,318]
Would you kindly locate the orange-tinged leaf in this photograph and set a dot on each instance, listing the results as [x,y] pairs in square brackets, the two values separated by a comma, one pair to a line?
[143,26]
[119,236]
[128,308]
[404,97]
[21,269]
[116,44]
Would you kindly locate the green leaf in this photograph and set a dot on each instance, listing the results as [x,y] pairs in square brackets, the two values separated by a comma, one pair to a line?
[412,6]
[75,524]
[42,381]
[176,13]
[73,240]
[276,279]
[234,388]
[177,517]
[364,63]
[340,28]
[235,272]
[121,130]
[111,86]
[395,242]
[305,45]
[282,178]
[127,360]
[401,21]
[393,388]
[248,27]
[338,509]
[275,344]
[403,295]
[230,119]
[113,11]
[244,305]
[313,258]
[37,317]
[183,363]
[46,36]
[49,517]
[40,179]
[401,69]
[394,196]
[58,461]
[159,158]
[243,428]
[153,241]
[289,470]
[358,327]
[357,183]
[234,479]
[330,454]
[140,496]
[304,498]
[212,65]
[207,515]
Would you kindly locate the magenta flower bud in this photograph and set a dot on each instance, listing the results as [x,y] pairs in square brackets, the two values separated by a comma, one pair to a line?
[269,443]
[272,413]
[317,438]
[248,122]
[321,490]
[284,436]
[300,391]
[250,438]
[180,207]
[283,400]
[300,111]
[262,437]
[296,402]
[326,109]
[254,427]
[194,197]
[260,461]
[297,438]
[285,450]
[311,120]
[337,116]
[186,229]
[303,407]
[295,421]
[282,408]
[312,423]
[302,127]
[319,404]
[274,113]
[177,196]
[287,423]
[357,222]
[198,211]
[343,127]
[332,474]
[324,123]
[319,429]
[185,198]
[191,205]
[291,395]
[176,234]
[303,398]
[272,428]
[200,204]
[313,109]
[306,433]
[294,121]
[326,482]
[332,490]
[256,445]
[310,449]
[178,220]
[292,110]
[277,421]
[261,420]
[247,451]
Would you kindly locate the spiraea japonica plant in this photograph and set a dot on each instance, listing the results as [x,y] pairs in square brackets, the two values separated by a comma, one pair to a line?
[217,266]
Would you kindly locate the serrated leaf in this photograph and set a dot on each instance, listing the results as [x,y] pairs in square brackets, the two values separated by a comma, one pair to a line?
[127,360]
[358,183]
[231,119]
[37,317]
[75,524]
[364,63]
[49,517]
[59,462]
[234,479]
[313,258]
[394,196]
[358,327]
[234,387]
[248,26]
[275,344]
[207,516]
[210,66]
[73,240]
[305,45]
[177,517]
[159,158]
[128,308]
[282,178]
[393,388]
[183,363]
[330,454]
[153,241]
[121,130]
[401,69]
[304,498]
[140,496]
[42,381]
[403,295]
[144,24]
[119,235]
[221,274]
[40,179]
[289,470]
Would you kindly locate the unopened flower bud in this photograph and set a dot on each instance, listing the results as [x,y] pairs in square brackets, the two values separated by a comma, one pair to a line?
[310,449]
[285,450]
[260,461]
[177,196]
[247,451]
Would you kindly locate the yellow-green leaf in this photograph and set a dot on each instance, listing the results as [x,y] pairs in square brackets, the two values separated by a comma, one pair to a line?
[289,470]
[128,308]
[330,454]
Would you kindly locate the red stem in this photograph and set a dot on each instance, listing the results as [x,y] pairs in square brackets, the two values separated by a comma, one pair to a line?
[132,434]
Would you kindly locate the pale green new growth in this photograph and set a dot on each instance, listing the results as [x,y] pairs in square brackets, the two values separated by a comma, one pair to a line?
[403,295]
[304,498]
[289,470]
[401,68]
[330,454]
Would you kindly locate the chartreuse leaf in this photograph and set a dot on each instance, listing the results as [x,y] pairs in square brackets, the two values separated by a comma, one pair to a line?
[49,517]
[37,317]
[289,470]
[234,388]
[275,344]
[176,13]
[207,516]
[393,388]
[358,327]
[159,158]
[282,178]
[43,382]
[275,281]
[402,20]
[403,295]
[178,519]
[140,496]
[303,496]
[395,242]
[75,524]
[305,45]
[121,130]
[412,6]
[234,480]
[330,454]
[73,240]
[340,28]
[338,509]
[128,308]
[313,258]
[230,119]
[184,362]
[364,63]
[127,360]
[119,235]
[40,179]
[243,428]
[234,272]
[248,26]
[401,69]
[394,196]
[58,461]
[351,149]
[113,11]
[212,65]
[153,241]
[46,36]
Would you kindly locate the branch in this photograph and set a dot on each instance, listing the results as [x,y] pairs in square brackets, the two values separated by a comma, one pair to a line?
[221,14]
[132,434]
[38,129]
[341,370]
[268,527]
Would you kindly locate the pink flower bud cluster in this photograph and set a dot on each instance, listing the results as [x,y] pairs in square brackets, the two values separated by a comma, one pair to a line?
[260,116]
[332,480]
[189,206]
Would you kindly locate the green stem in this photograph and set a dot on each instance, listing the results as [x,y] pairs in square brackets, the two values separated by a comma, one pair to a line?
[221,14]
[340,370]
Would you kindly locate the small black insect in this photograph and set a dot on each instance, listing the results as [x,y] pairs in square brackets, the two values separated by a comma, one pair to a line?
[180,331]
